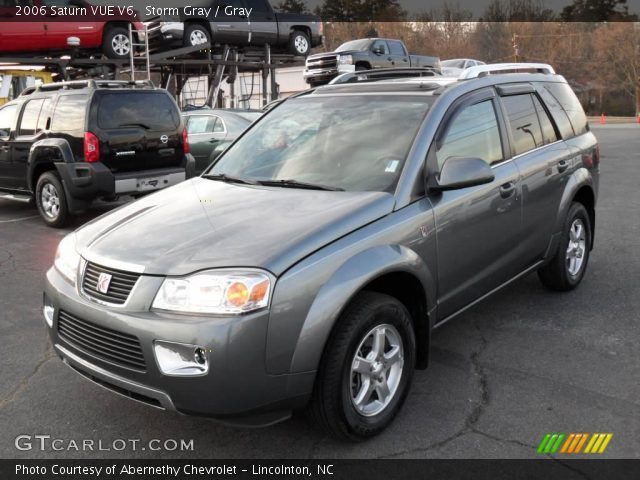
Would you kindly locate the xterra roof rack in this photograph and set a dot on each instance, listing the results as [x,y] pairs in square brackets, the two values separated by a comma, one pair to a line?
[384,74]
[92,84]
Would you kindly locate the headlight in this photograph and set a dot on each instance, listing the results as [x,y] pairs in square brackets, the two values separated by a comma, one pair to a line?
[345,59]
[67,258]
[216,292]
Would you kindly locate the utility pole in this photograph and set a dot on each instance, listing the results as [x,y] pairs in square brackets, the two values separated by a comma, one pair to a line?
[515,48]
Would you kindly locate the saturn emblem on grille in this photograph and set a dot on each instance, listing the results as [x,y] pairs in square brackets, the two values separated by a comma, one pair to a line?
[103,282]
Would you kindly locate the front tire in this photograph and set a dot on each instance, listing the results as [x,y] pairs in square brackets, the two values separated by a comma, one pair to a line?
[51,201]
[116,43]
[566,269]
[299,44]
[366,370]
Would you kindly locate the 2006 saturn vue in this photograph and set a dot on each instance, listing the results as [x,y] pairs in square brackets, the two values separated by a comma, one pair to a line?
[309,264]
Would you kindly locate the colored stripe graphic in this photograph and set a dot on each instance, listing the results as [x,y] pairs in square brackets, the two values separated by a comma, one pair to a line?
[553,443]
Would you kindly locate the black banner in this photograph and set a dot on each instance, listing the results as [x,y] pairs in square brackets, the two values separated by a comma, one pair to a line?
[326,10]
[546,468]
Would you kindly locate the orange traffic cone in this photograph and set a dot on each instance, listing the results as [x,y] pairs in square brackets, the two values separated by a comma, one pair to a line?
[638,119]
[603,119]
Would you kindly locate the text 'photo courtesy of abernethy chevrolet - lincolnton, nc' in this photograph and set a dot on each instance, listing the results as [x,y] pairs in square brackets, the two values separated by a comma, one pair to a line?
[308,265]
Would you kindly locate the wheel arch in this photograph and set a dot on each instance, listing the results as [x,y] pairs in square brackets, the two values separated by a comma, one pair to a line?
[586,196]
[580,187]
[44,155]
[392,269]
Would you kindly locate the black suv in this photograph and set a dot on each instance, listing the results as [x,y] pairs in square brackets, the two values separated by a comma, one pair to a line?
[66,144]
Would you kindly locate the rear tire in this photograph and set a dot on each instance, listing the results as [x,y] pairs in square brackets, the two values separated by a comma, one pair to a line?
[299,44]
[116,43]
[566,269]
[195,34]
[51,200]
[361,385]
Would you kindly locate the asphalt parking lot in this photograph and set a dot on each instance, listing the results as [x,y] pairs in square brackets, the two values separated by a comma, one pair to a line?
[519,365]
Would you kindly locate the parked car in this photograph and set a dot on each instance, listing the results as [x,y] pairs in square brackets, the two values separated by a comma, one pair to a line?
[362,54]
[65,144]
[308,269]
[456,66]
[296,33]
[211,131]
[45,33]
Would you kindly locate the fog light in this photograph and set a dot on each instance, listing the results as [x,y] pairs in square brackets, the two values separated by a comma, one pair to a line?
[181,359]
[47,311]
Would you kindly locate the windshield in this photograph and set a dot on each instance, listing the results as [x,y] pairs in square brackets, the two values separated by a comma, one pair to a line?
[353,143]
[453,63]
[354,45]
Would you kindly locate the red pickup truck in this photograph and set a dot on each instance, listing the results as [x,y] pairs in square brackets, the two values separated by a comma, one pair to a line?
[43,27]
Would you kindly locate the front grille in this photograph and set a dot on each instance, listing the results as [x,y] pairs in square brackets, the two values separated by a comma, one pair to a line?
[120,284]
[110,345]
[322,62]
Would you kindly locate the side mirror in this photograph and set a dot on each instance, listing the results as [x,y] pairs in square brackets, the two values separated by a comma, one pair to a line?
[378,50]
[462,172]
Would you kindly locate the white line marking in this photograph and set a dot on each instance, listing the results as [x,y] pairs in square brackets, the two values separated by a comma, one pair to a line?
[18,219]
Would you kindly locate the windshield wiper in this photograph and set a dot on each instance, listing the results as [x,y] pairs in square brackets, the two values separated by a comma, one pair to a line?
[142,125]
[297,184]
[229,178]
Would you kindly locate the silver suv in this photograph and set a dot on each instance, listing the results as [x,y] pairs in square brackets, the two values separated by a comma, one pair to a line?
[308,266]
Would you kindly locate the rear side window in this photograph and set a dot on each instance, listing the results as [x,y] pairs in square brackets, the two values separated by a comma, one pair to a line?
[523,122]
[30,115]
[149,110]
[204,124]
[69,114]
[7,115]
[473,132]
[44,115]
[570,103]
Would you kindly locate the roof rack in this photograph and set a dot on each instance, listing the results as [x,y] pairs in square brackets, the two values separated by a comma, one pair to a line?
[384,74]
[49,87]
[484,70]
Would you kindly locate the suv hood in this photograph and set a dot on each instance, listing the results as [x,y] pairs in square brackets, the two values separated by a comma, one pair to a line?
[203,223]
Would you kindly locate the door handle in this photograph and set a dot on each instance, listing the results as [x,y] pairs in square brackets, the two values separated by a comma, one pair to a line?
[507,189]
[563,165]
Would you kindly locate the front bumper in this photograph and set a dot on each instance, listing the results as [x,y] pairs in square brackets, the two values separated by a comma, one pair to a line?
[236,389]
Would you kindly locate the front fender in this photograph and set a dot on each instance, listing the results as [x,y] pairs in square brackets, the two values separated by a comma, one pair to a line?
[297,346]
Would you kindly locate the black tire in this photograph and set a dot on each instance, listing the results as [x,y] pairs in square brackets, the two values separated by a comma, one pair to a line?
[331,407]
[195,34]
[557,274]
[299,43]
[48,184]
[116,43]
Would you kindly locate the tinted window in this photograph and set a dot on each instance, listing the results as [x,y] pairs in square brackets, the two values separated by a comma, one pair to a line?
[523,120]
[473,132]
[380,44]
[155,111]
[352,142]
[396,48]
[557,113]
[44,115]
[548,131]
[30,115]
[69,114]
[7,115]
[570,103]
[354,45]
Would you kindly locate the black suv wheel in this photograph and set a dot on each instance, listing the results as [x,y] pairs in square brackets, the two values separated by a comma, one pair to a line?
[50,200]
[366,370]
